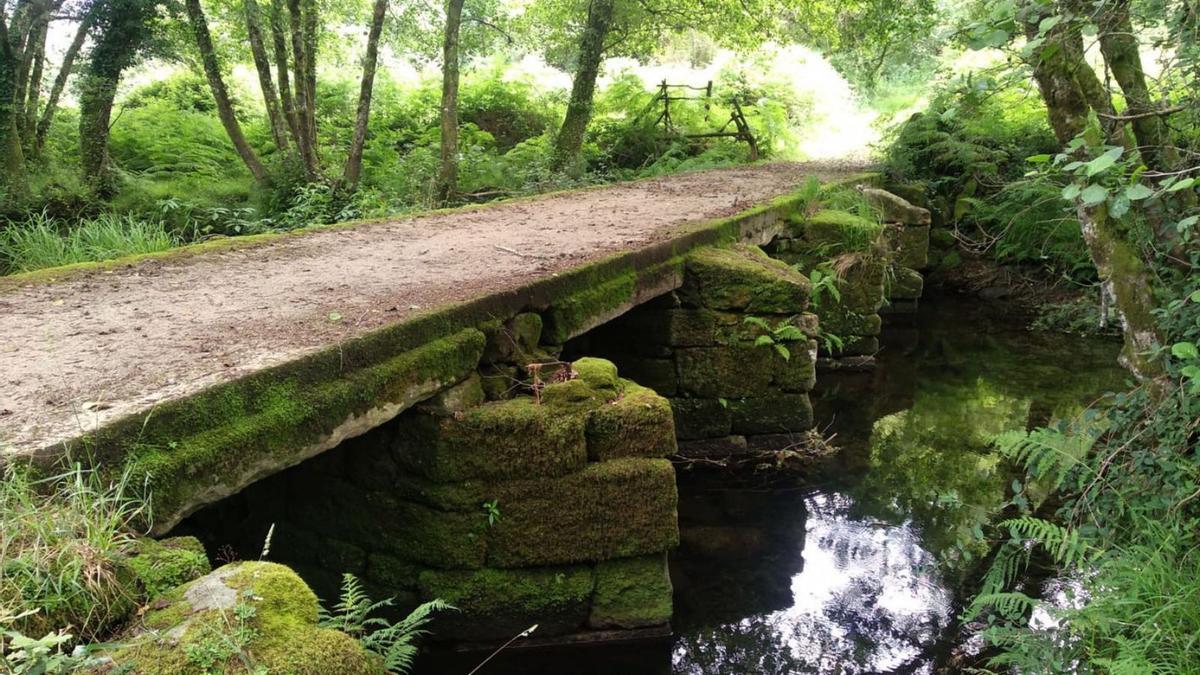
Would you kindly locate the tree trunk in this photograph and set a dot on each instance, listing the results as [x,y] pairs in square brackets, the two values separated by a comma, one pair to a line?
[279,130]
[33,93]
[12,166]
[212,72]
[1113,253]
[60,82]
[583,89]
[97,91]
[306,135]
[278,37]
[370,60]
[1119,45]
[447,183]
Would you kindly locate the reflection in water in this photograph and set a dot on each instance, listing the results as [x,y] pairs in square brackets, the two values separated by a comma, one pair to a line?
[852,569]
[889,523]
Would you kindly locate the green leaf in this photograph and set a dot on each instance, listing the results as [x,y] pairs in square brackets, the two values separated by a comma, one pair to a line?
[1038,159]
[1072,191]
[1138,192]
[1182,185]
[783,351]
[1048,23]
[334,316]
[1093,195]
[1185,350]
[1186,224]
[1195,296]
[1118,206]
[763,340]
[1191,372]
[996,38]
[1071,166]
[1100,164]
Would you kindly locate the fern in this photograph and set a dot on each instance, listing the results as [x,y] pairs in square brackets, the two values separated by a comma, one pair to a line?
[394,642]
[1063,543]
[1048,453]
[1011,605]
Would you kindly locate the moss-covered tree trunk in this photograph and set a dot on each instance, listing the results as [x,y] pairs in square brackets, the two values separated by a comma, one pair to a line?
[212,71]
[304,92]
[1112,251]
[447,183]
[12,165]
[282,59]
[33,90]
[370,61]
[583,89]
[1119,45]
[121,30]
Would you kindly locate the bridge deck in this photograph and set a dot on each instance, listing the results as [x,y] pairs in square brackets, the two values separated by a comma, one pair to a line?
[92,346]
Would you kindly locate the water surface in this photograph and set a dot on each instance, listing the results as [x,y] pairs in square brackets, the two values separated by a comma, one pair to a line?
[852,568]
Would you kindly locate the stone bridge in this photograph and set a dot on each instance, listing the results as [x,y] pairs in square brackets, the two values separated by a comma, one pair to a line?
[428,410]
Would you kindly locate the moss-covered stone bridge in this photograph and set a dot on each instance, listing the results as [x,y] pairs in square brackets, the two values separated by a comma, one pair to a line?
[477,449]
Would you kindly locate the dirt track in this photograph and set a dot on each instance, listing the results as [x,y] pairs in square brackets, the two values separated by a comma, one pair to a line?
[79,352]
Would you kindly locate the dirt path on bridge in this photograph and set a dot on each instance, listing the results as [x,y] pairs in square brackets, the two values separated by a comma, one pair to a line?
[81,351]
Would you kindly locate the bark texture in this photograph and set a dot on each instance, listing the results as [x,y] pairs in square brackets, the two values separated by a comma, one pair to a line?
[447,182]
[212,73]
[370,61]
[266,83]
[583,88]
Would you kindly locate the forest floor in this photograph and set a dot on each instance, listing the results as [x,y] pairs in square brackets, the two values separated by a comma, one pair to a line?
[97,345]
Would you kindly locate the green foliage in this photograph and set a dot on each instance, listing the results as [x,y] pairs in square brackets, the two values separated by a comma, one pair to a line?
[776,337]
[63,541]
[228,639]
[394,642]
[970,148]
[40,242]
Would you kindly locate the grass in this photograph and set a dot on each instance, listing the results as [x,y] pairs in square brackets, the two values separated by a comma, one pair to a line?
[40,241]
[62,542]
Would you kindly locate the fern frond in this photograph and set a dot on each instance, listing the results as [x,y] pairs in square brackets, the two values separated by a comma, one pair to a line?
[1063,543]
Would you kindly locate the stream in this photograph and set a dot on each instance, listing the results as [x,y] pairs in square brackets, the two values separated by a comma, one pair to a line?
[852,568]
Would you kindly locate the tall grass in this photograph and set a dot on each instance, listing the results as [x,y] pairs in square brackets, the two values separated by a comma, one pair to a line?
[39,241]
[63,540]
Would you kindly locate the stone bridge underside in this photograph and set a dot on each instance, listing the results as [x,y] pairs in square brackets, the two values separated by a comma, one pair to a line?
[214,366]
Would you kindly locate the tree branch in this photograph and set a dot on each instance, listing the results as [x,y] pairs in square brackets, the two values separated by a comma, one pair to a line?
[1142,115]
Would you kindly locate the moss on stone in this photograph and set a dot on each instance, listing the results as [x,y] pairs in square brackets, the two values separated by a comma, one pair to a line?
[732,371]
[571,315]
[499,382]
[513,341]
[598,374]
[230,433]
[905,284]
[639,424]
[498,604]
[910,246]
[798,373]
[162,565]
[429,536]
[281,632]
[614,509]
[631,593]
[456,399]
[781,413]
[832,232]
[656,374]
[697,418]
[392,573]
[743,278]
[843,323]
[498,440]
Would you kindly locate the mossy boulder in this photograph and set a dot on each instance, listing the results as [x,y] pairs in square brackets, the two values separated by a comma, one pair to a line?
[614,509]
[731,371]
[499,440]
[906,284]
[894,208]
[638,424]
[910,245]
[160,565]
[515,340]
[863,283]
[632,593]
[743,278]
[844,323]
[243,615]
[697,418]
[496,604]
[771,414]
[830,232]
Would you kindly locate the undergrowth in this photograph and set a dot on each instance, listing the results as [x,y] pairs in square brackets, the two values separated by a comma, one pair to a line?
[39,241]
